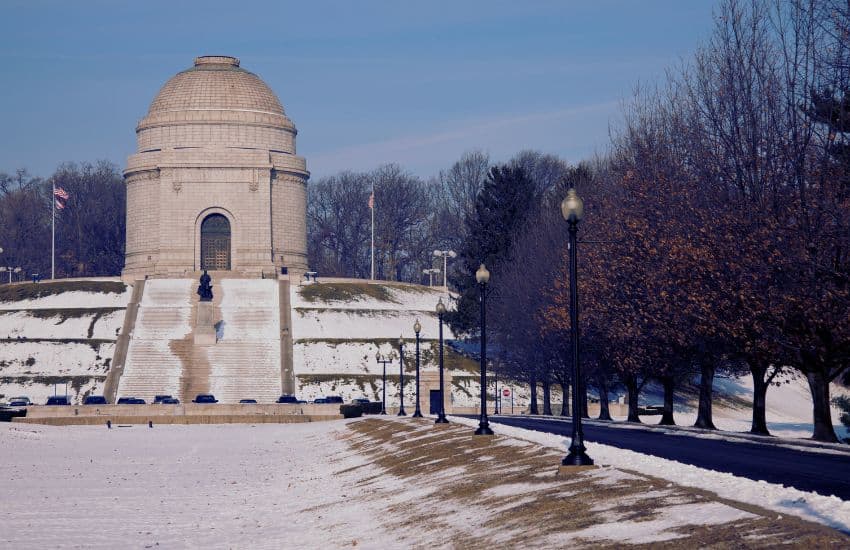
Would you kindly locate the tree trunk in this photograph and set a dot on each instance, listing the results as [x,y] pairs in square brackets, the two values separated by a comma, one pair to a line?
[706,382]
[669,386]
[547,398]
[533,404]
[632,388]
[583,396]
[604,410]
[822,414]
[565,402]
[760,385]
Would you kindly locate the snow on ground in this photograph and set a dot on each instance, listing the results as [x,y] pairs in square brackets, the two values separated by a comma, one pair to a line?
[22,324]
[66,337]
[831,511]
[372,484]
[363,324]
[199,486]
[788,411]
[74,299]
[409,297]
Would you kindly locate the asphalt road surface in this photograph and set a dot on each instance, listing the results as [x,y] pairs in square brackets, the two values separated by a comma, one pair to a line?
[826,474]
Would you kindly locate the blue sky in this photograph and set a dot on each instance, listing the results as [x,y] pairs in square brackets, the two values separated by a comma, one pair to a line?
[417,83]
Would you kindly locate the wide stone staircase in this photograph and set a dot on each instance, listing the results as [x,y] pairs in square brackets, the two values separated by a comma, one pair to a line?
[164,320]
[244,362]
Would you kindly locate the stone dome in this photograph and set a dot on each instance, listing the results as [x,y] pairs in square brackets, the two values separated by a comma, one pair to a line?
[216,83]
[215,104]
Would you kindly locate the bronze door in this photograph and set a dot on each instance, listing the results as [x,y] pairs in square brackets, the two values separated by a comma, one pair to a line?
[215,243]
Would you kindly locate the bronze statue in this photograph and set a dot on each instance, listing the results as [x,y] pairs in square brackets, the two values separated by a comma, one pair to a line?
[205,288]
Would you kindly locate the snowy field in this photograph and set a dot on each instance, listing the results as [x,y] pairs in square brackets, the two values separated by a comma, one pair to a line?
[263,486]
[370,484]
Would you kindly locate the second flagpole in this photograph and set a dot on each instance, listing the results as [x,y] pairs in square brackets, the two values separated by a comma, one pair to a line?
[53,230]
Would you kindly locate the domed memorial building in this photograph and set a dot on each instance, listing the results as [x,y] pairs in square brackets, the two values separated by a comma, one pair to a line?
[215,183]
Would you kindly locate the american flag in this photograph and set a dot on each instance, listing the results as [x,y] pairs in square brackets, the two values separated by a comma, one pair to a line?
[372,200]
[60,195]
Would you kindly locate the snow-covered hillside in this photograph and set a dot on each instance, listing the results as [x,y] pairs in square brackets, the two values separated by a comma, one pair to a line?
[338,327]
[54,334]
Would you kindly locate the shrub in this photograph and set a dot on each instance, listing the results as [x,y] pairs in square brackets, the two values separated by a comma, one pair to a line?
[351,411]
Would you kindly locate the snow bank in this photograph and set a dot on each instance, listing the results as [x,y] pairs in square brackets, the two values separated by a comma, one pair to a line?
[831,511]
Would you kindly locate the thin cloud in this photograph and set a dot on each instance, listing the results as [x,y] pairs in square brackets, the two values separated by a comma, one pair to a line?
[481,130]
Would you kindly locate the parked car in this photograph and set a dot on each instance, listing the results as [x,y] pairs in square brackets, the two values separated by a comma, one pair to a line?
[95,400]
[334,399]
[248,401]
[131,401]
[169,401]
[22,401]
[287,399]
[205,398]
[320,400]
[360,401]
[59,400]
[161,398]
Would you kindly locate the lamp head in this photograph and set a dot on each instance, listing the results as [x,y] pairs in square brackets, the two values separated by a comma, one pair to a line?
[572,207]
[441,307]
[400,341]
[482,275]
[378,356]
[452,254]
[417,327]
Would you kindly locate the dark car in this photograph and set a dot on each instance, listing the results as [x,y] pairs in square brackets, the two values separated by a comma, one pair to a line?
[58,400]
[334,399]
[95,400]
[169,401]
[360,401]
[20,402]
[248,401]
[205,398]
[161,398]
[131,401]
[320,400]
[287,399]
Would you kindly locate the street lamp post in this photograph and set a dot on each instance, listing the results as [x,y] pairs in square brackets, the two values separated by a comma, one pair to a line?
[483,277]
[441,413]
[401,376]
[446,254]
[430,272]
[384,362]
[416,329]
[572,208]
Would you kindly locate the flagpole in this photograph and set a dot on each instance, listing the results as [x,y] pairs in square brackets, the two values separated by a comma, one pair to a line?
[53,230]
[373,231]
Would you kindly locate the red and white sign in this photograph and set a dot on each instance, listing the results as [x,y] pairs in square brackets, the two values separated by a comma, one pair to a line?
[506,392]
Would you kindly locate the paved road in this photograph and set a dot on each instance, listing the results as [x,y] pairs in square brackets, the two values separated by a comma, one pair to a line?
[826,474]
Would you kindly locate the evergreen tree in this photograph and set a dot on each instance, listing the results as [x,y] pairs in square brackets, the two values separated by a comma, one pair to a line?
[501,208]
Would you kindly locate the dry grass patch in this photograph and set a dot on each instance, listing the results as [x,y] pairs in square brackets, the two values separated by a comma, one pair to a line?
[454,489]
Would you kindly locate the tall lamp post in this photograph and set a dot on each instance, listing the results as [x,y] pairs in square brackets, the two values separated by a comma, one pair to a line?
[483,277]
[384,362]
[416,329]
[401,376]
[572,208]
[446,254]
[441,413]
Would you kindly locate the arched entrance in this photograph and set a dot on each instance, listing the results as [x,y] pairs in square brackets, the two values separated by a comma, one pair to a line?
[215,243]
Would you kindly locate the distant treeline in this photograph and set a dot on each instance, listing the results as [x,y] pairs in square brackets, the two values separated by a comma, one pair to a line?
[89,229]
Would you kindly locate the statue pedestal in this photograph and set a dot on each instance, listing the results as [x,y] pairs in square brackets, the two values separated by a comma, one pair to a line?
[204,333]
